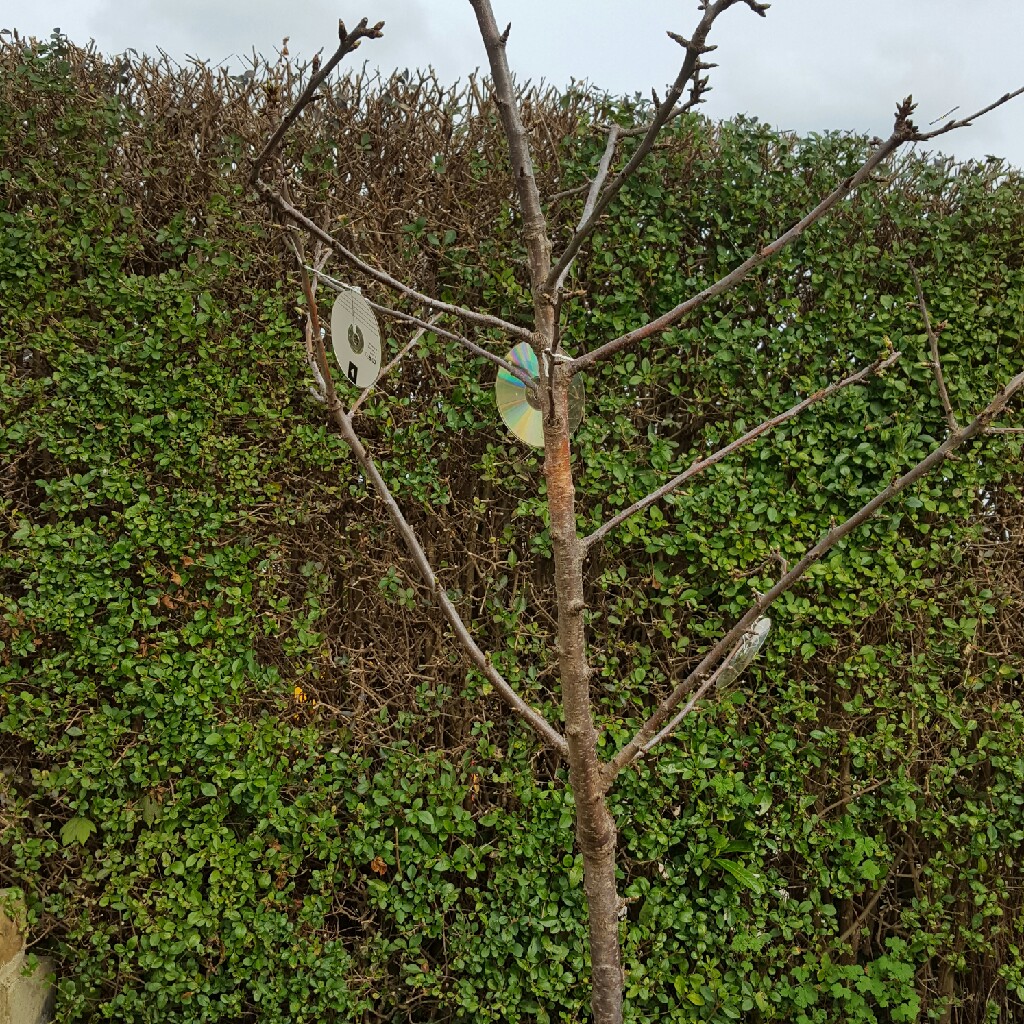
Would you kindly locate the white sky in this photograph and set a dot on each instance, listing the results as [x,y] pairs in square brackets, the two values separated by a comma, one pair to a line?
[810,65]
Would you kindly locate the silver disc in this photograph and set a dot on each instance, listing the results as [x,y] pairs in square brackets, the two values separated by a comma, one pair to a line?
[355,338]
[519,406]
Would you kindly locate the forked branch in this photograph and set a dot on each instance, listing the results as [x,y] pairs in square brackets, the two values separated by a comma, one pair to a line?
[404,529]
[904,130]
[654,724]
[347,42]
[933,346]
[698,467]
[689,74]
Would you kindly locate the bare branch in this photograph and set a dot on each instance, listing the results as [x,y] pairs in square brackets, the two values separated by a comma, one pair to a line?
[666,109]
[529,714]
[966,122]
[295,241]
[653,725]
[870,906]
[856,795]
[348,41]
[879,366]
[900,135]
[933,344]
[595,190]
[471,316]
[565,193]
[535,230]
[402,526]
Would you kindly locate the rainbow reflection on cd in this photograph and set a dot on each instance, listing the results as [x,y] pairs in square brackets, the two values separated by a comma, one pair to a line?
[519,405]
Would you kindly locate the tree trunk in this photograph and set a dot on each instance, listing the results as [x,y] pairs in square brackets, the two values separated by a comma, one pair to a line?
[595,829]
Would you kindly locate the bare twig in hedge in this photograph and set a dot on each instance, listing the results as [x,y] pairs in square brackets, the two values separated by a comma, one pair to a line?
[391,364]
[348,41]
[843,801]
[869,907]
[704,687]
[933,344]
[698,467]
[566,193]
[653,725]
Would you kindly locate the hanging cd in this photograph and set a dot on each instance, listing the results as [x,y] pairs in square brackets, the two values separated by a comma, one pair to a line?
[520,406]
[355,338]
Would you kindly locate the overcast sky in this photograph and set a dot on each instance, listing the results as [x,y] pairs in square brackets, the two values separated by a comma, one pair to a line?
[810,65]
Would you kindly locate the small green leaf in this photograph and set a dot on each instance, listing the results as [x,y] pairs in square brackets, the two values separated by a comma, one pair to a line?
[77,830]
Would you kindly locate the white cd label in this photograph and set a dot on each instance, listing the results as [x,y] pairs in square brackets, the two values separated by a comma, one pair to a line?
[355,338]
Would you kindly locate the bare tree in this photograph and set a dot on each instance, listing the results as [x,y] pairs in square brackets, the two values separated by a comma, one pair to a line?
[592,777]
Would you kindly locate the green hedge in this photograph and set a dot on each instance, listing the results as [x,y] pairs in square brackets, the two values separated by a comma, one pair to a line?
[247,777]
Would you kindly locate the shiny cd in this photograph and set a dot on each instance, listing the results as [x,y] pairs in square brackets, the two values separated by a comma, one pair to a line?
[355,338]
[520,406]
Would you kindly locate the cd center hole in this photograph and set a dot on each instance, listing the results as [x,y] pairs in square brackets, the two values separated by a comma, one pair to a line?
[533,396]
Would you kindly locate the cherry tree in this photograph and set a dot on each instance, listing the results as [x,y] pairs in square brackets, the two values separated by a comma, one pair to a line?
[592,776]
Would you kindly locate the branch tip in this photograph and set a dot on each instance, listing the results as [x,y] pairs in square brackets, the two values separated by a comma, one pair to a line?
[904,125]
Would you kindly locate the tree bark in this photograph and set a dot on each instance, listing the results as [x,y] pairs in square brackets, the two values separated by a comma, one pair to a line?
[596,834]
